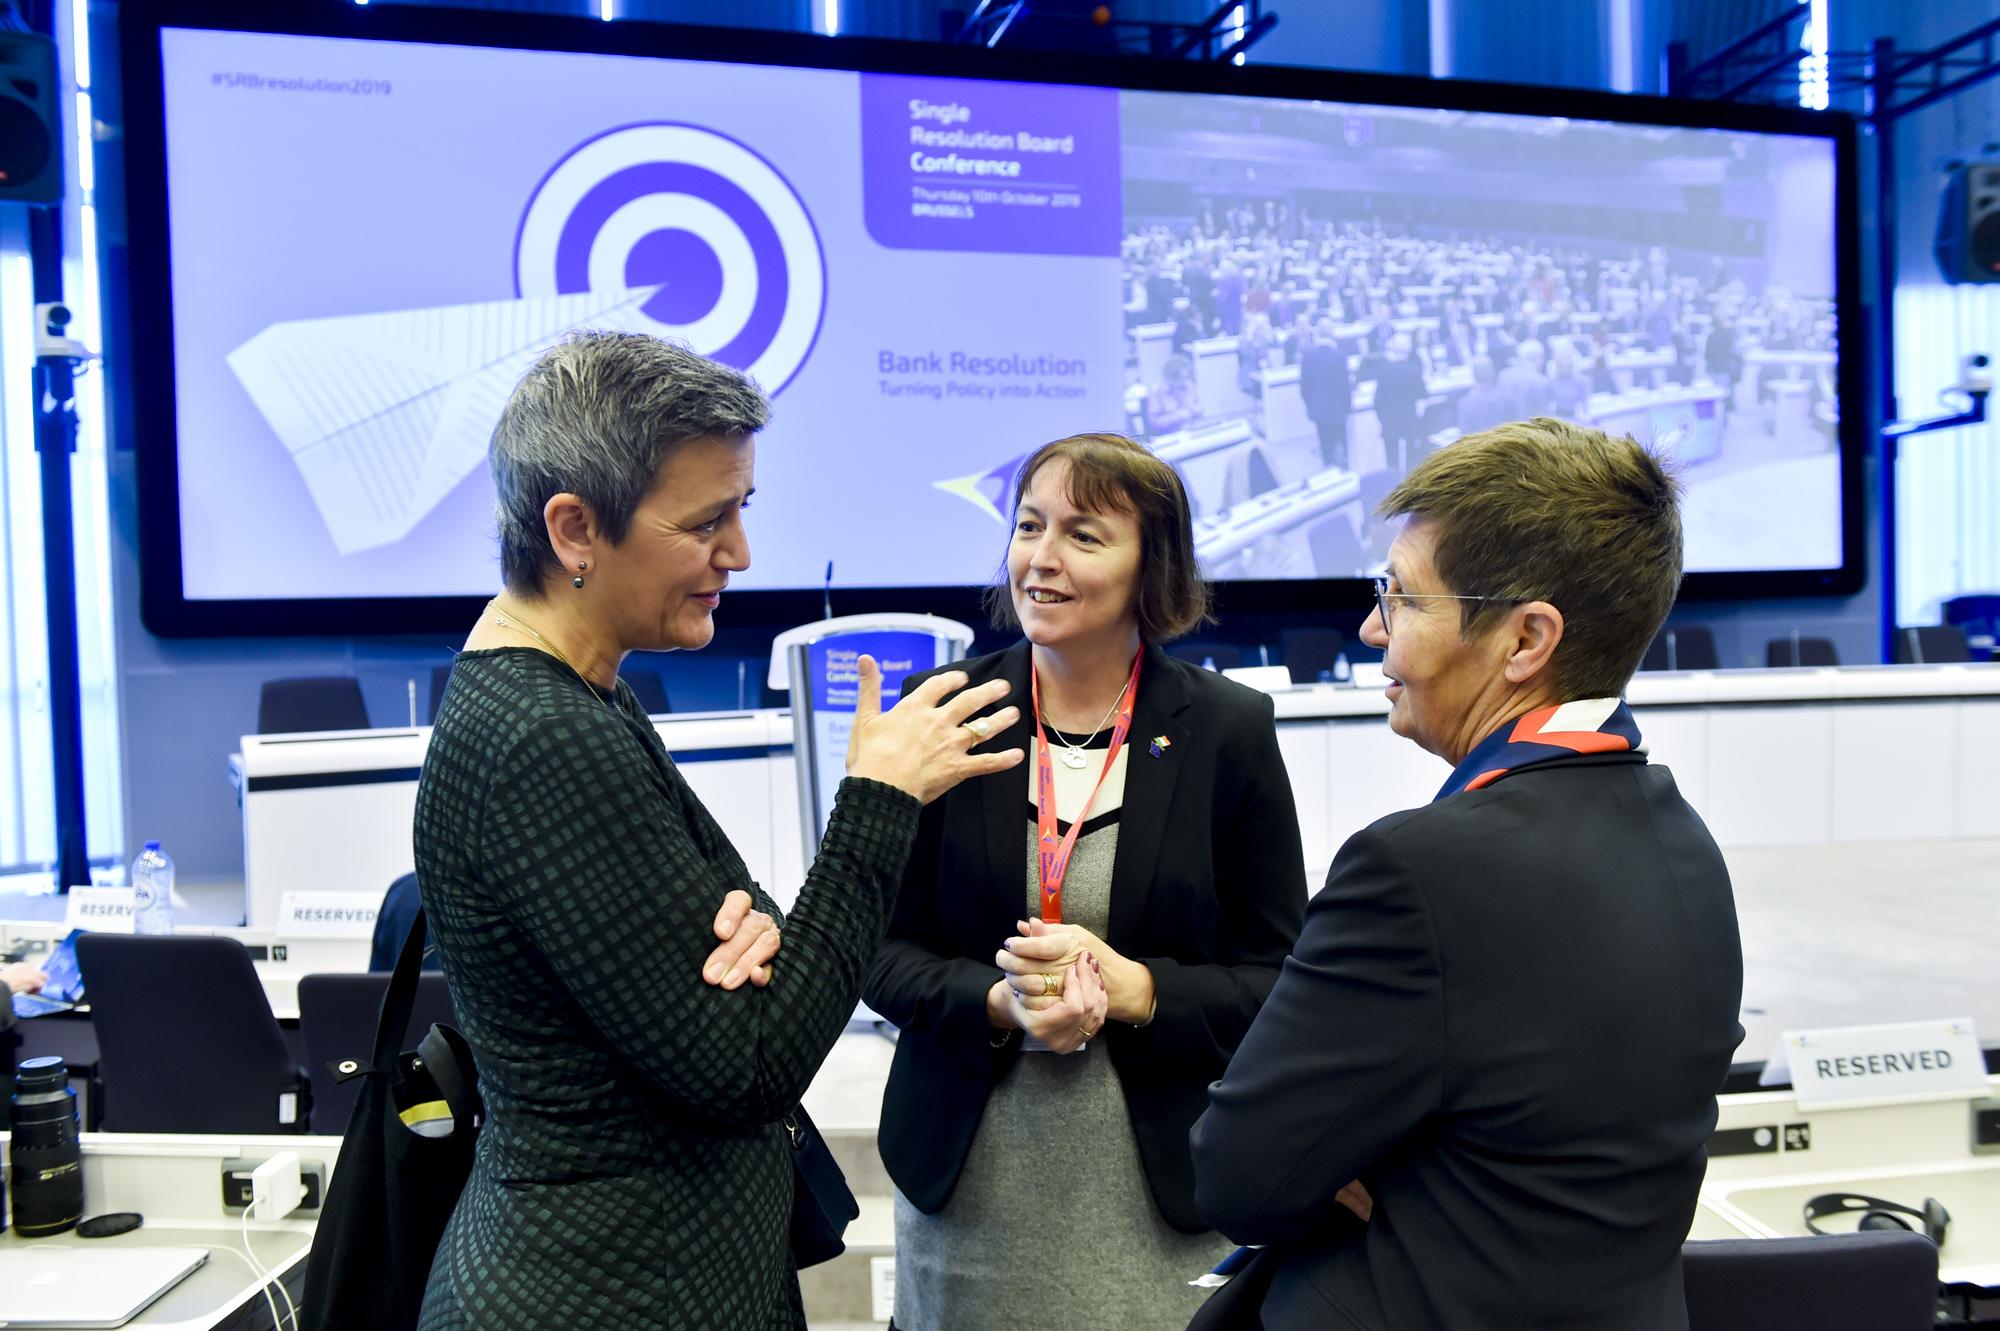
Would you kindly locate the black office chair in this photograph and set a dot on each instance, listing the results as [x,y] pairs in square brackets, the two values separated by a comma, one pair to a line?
[1259,477]
[1310,653]
[1797,651]
[649,689]
[1931,644]
[186,1040]
[1690,648]
[398,913]
[1222,654]
[338,1014]
[1978,616]
[1870,1281]
[314,702]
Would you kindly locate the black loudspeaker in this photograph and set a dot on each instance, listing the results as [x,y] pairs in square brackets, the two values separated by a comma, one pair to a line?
[1968,229]
[31,156]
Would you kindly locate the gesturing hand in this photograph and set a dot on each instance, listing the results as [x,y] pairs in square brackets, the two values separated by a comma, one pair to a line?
[749,941]
[923,744]
[1065,1022]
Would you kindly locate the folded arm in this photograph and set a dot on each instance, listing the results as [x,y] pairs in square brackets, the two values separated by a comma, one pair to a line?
[587,849]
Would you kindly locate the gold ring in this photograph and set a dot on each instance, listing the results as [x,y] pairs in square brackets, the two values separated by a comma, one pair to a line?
[1051,984]
[979,726]
[1089,1033]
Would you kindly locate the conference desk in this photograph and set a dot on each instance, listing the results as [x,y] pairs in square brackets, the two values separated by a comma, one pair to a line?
[279,960]
[175,1182]
[1904,1153]
[1208,457]
[297,790]
[1152,344]
[1752,1188]
[1689,413]
[1768,757]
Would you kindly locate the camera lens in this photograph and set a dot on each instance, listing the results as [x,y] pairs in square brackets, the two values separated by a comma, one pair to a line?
[46,1154]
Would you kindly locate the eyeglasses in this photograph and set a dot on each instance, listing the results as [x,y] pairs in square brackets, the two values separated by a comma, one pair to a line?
[1383,598]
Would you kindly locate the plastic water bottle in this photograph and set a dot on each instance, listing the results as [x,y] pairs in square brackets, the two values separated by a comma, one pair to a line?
[153,891]
[1343,673]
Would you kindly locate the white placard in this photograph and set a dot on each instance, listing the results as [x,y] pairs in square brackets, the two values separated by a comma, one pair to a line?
[102,910]
[882,1288]
[1264,678]
[328,914]
[1856,1065]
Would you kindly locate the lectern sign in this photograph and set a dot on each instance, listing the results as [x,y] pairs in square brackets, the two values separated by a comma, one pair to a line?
[1914,1060]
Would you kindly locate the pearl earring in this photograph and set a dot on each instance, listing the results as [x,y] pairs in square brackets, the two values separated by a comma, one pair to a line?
[577,581]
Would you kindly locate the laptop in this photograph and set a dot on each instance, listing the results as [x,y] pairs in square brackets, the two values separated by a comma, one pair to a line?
[87,1287]
[64,989]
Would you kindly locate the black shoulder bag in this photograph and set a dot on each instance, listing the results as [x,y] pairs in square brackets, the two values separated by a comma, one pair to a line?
[822,1203]
[399,1173]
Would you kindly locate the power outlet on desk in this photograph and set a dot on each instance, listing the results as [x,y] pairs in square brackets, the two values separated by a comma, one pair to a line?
[1986,1127]
[236,1183]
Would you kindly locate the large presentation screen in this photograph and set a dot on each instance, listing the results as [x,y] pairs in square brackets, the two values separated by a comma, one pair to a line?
[367,241]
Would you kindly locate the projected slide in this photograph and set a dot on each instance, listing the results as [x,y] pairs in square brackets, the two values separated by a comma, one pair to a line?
[1294,302]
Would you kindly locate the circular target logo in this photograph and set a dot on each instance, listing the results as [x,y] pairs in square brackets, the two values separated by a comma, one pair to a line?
[712,224]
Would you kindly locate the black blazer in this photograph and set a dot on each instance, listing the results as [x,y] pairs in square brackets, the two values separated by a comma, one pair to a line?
[1508,1015]
[1208,889]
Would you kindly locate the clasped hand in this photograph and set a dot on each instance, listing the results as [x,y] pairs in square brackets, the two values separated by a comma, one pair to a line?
[1042,950]
[1063,1019]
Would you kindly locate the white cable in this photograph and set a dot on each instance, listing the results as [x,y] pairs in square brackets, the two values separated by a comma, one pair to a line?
[266,1280]
[263,1281]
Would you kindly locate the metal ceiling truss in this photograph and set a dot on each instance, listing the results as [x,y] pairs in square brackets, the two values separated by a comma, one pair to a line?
[1227,32]
[1885,85]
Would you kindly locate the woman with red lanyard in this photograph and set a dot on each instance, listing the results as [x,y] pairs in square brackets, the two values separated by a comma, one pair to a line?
[1074,956]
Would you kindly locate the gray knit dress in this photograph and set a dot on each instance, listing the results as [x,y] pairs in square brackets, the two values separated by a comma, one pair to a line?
[1052,1221]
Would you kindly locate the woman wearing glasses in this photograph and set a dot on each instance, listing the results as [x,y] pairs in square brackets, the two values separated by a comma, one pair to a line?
[1510,1009]
[1076,951]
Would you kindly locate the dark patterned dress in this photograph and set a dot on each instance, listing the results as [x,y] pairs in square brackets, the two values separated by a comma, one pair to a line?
[633,1171]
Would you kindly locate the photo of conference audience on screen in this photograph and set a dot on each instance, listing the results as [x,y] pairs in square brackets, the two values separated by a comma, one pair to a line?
[1319,296]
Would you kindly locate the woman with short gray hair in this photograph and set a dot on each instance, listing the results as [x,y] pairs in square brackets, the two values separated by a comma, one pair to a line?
[634,1170]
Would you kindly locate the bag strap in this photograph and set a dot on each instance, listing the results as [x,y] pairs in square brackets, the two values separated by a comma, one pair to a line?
[448,1058]
[401,995]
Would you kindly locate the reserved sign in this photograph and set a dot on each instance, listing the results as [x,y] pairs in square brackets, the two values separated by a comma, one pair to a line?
[1866,1064]
[103,910]
[328,914]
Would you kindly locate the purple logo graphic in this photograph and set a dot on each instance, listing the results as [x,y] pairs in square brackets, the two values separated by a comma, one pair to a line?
[726,240]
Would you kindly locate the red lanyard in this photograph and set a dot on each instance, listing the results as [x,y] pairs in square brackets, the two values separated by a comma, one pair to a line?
[1054,855]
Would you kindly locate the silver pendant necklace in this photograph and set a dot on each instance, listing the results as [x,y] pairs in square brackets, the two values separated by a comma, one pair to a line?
[1073,755]
[519,626]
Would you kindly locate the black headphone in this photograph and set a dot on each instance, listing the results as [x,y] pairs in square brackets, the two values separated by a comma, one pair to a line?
[1878,1213]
